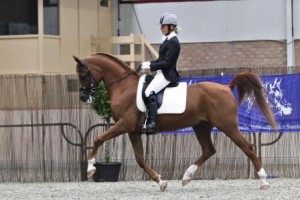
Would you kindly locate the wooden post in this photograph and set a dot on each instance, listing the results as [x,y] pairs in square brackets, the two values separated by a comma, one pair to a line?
[132,52]
[142,48]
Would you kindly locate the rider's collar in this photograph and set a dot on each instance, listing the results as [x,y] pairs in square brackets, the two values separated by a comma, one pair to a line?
[167,37]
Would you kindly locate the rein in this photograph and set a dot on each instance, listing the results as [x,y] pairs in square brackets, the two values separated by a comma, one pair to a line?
[128,74]
[91,79]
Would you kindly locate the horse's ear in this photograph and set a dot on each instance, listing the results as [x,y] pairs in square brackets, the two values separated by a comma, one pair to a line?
[77,60]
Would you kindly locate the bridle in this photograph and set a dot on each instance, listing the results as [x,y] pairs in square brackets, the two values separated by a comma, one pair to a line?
[91,87]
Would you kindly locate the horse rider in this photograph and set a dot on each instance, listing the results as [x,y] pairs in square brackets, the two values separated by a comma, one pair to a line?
[165,67]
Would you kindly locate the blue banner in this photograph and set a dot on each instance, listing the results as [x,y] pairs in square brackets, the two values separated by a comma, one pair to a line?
[283,96]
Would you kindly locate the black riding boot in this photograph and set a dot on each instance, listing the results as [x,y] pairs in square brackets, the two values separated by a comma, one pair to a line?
[151,127]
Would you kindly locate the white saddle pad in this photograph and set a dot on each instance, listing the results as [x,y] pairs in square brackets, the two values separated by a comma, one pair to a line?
[174,100]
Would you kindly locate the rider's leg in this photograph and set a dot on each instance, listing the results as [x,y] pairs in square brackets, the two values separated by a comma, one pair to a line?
[157,84]
[151,126]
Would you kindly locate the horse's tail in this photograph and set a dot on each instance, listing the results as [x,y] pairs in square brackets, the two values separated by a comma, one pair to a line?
[248,83]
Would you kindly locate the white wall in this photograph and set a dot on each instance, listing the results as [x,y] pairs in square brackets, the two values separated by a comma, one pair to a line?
[297,19]
[213,21]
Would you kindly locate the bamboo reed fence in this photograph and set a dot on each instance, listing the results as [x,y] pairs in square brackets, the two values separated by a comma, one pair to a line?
[52,134]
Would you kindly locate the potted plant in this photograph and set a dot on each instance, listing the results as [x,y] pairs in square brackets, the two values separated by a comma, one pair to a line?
[107,171]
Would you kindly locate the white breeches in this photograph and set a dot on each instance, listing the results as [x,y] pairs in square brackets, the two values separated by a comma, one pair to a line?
[158,83]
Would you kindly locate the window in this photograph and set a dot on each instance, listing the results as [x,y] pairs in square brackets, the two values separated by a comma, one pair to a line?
[161,1]
[18,17]
[104,3]
[51,17]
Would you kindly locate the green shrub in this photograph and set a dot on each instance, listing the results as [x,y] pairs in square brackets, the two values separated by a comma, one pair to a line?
[101,105]
[101,102]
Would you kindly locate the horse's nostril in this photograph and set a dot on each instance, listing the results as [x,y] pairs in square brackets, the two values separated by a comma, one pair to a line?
[83,98]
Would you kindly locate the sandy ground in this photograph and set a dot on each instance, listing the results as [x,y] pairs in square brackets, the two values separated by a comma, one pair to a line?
[200,189]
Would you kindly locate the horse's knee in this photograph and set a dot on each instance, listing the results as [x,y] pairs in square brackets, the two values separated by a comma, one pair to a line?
[97,142]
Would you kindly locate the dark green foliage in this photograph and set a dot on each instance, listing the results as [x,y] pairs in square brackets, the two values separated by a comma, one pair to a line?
[101,102]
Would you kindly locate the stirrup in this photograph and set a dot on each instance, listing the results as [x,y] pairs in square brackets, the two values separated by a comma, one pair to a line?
[151,130]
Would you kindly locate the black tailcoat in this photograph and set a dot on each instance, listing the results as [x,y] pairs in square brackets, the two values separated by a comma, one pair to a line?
[168,56]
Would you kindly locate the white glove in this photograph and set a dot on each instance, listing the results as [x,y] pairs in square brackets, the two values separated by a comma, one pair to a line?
[146,65]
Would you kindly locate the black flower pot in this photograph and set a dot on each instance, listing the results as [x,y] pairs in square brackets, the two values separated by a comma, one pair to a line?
[107,172]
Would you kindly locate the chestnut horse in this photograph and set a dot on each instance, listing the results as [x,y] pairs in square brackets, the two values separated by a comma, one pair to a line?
[208,105]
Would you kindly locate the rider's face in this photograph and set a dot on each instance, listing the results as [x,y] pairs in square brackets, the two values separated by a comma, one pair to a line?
[164,29]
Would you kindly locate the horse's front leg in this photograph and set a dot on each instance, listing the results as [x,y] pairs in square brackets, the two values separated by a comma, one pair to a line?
[137,145]
[114,131]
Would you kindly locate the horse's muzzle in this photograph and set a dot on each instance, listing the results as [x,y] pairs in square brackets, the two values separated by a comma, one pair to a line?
[84,97]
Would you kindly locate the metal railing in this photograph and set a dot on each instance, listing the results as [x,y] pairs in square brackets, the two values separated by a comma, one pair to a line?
[257,141]
[82,144]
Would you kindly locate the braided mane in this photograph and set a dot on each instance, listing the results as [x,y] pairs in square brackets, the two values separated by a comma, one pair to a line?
[125,66]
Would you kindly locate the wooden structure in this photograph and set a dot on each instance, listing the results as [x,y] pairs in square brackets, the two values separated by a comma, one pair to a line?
[136,50]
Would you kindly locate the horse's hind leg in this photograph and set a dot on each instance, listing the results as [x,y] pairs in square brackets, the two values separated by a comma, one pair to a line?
[202,132]
[247,148]
[137,145]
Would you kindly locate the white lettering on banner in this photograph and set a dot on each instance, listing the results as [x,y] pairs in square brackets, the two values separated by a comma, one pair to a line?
[296,126]
[261,127]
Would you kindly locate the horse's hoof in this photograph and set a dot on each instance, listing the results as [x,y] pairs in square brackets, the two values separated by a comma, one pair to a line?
[163,185]
[185,182]
[264,186]
[91,172]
